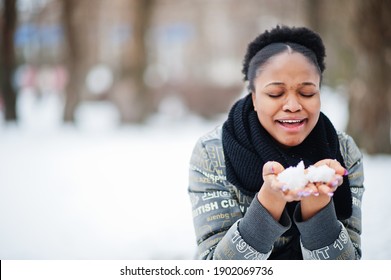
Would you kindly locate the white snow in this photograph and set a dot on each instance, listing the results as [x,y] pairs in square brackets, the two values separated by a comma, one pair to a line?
[102,191]
[297,177]
[293,177]
[321,173]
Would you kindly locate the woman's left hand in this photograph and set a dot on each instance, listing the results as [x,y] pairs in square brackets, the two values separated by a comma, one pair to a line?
[330,187]
[322,192]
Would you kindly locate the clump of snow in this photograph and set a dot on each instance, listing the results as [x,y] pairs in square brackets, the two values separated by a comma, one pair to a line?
[294,177]
[321,173]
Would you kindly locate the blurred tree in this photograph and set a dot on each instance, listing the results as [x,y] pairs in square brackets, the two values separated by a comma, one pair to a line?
[7,58]
[331,20]
[137,105]
[314,14]
[358,40]
[73,58]
[370,92]
[142,19]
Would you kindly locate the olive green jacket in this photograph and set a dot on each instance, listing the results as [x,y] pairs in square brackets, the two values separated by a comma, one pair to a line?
[231,225]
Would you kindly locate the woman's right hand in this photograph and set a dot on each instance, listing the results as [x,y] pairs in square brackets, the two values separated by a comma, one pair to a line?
[271,195]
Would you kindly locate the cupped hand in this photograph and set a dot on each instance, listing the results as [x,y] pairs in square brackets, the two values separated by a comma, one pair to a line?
[270,171]
[322,191]
[328,188]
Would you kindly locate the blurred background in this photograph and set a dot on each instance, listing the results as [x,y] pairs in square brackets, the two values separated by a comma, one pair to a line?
[102,101]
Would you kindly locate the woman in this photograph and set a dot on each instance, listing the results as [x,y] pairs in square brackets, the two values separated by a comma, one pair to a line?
[241,210]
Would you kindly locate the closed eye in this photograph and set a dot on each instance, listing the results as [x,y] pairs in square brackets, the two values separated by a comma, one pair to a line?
[275,95]
[308,95]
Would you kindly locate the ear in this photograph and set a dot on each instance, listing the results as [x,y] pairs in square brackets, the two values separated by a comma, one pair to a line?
[253,98]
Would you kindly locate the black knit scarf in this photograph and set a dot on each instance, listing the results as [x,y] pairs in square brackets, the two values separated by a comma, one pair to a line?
[248,146]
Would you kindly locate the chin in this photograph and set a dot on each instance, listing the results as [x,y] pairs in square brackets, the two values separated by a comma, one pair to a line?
[291,143]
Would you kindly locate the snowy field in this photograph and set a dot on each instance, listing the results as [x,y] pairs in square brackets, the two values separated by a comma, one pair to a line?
[101,191]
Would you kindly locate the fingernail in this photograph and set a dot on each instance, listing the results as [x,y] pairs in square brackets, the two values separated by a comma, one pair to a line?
[316,194]
[303,193]
[330,194]
[346,172]
[306,193]
[334,184]
[284,188]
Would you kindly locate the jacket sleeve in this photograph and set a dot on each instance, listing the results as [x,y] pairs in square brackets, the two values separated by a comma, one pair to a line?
[222,231]
[325,237]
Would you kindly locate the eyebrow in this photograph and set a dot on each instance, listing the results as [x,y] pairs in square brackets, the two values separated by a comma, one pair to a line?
[274,84]
[308,84]
[281,84]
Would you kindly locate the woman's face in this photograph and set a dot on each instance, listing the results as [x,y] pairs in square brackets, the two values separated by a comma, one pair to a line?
[287,97]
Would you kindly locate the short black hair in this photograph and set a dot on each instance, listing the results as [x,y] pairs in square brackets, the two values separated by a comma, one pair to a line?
[279,39]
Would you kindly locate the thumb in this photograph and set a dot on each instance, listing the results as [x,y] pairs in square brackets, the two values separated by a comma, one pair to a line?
[334,164]
[272,168]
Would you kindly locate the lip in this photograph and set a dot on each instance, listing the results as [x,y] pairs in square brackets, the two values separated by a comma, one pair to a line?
[292,125]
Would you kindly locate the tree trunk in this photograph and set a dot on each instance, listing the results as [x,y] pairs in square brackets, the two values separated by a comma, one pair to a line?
[7,59]
[370,93]
[73,57]
[139,105]
[140,58]
[314,9]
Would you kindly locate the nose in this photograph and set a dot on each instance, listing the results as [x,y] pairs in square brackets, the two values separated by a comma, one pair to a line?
[292,104]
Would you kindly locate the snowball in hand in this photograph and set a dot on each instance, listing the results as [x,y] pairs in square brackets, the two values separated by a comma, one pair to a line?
[294,177]
[321,173]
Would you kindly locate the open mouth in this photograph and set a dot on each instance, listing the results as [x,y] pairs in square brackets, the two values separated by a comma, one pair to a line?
[291,123]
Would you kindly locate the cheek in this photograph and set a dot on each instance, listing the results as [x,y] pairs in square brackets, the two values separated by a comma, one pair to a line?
[267,107]
[313,107]
[314,112]
[265,115]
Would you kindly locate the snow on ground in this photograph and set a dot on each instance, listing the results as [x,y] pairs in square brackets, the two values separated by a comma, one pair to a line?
[102,191]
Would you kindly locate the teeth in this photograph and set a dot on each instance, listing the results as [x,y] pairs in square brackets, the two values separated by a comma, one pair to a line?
[290,121]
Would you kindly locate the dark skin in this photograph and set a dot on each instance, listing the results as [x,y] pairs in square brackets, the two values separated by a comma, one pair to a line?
[287,102]
[313,198]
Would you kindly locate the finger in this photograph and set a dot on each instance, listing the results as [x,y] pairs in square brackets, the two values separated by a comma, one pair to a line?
[279,186]
[309,190]
[326,190]
[336,182]
[299,194]
[334,164]
[290,196]
[272,168]
[312,189]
